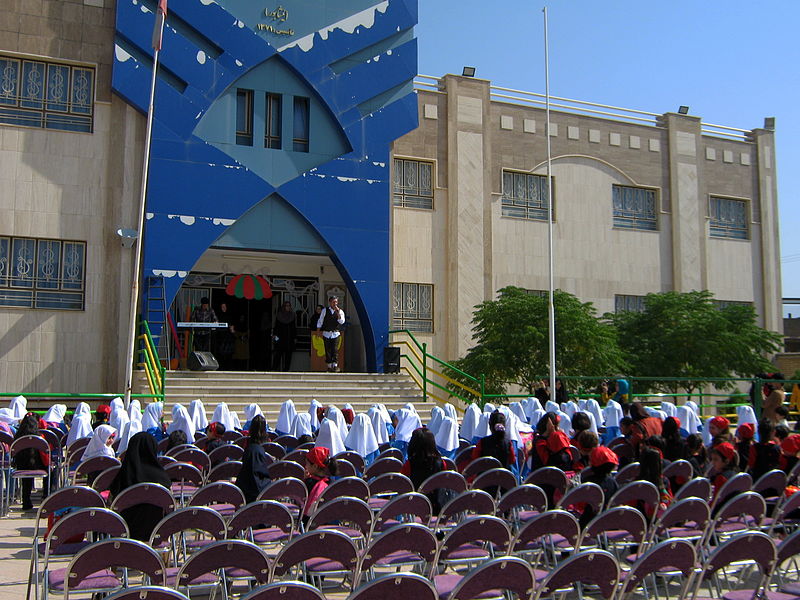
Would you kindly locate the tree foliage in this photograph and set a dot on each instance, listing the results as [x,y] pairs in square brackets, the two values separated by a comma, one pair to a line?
[511,340]
[687,335]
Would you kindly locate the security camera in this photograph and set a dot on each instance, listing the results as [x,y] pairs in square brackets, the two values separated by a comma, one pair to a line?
[128,237]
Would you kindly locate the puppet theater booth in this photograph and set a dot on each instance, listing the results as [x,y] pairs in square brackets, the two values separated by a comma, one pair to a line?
[246,290]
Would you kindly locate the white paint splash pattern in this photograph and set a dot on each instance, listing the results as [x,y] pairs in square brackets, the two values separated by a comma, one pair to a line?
[190,220]
[201,57]
[238,63]
[169,273]
[121,54]
[364,18]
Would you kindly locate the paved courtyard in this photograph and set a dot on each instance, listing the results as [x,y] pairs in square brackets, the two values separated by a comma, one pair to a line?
[15,550]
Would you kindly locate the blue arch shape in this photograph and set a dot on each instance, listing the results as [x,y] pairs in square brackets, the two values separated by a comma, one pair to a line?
[190,203]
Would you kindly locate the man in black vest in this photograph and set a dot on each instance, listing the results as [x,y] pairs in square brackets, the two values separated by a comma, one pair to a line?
[330,322]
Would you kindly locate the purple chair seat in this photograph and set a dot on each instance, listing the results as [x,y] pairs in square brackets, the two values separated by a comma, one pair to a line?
[466,552]
[748,595]
[731,527]
[400,557]
[226,510]
[377,503]
[791,588]
[324,564]
[445,584]
[64,549]
[684,532]
[617,535]
[101,580]
[22,473]
[237,573]
[269,535]
[350,532]
[204,579]
[197,544]
[186,489]
[527,515]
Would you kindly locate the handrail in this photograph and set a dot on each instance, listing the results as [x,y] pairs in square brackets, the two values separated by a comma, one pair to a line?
[154,370]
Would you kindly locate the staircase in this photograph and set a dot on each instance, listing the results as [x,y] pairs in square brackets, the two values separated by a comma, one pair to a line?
[269,390]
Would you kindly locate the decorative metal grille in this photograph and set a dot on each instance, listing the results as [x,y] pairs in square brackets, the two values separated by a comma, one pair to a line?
[42,273]
[525,196]
[46,95]
[728,218]
[628,303]
[413,184]
[412,307]
[634,208]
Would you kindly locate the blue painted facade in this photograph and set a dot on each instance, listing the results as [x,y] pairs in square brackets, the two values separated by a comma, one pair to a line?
[354,59]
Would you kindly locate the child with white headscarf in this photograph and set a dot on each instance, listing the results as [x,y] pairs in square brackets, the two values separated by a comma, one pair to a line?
[100,444]
[407,422]
[378,425]
[312,411]
[335,415]
[119,417]
[81,427]
[437,414]
[361,438]
[301,426]
[285,418]
[250,411]
[329,437]
[152,416]
[447,437]
[470,422]
[182,422]
[223,414]
[197,412]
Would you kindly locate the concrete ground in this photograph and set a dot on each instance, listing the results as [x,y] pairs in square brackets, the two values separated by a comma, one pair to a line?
[16,531]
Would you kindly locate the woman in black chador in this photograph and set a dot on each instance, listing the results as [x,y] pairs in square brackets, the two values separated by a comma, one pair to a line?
[283,335]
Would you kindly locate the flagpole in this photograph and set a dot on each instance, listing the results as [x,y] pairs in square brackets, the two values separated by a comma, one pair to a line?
[551,313]
[137,265]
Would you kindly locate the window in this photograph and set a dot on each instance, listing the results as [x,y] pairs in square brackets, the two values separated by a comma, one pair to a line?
[272,132]
[728,218]
[525,196]
[628,303]
[244,117]
[47,95]
[720,304]
[413,184]
[412,307]
[300,136]
[634,208]
[540,293]
[39,273]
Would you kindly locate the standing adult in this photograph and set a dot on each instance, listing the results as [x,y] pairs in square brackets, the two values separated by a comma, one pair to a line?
[203,314]
[330,323]
[773,397]
[284,333]
[312,322]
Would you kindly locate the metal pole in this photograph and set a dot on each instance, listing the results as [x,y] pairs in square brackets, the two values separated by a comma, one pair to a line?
[551,312]
[425,372]
[137,265]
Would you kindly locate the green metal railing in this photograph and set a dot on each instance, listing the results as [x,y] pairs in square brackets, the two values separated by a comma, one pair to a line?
[150,362]
[422,366]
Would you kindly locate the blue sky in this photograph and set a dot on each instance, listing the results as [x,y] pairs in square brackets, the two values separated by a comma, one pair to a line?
[732,62]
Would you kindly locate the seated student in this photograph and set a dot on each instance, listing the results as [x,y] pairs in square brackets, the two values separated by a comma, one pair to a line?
[30,459]
[781,433]
[603,461]
[719,428]
[214,432]
[99,445]
[657,443]
[744,441]
[651,469]
[54,418]
[764,455]
[580,423]
[643,425]
[782,414]
[674,444]
[253,475]
[101,415]
[696,454]
[497,444]
[320,467]
[176,438]
[790,452]
[587,441]
[724,465]
[550,445]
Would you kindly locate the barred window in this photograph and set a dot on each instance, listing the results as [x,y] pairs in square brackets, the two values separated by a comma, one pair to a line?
[274,125]
[540,293]
[624,303]
[412,307]
[413,183]
[34,93]
[634,208]
[302,118]
[42,273]
[525,196]
[728,218]
[720,304]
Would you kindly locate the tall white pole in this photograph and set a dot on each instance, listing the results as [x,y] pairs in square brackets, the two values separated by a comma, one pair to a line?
[137,265]
[551,312]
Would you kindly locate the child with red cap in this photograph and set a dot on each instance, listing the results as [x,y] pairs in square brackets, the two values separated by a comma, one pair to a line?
[744,441]
[790,452]
[319,469]
[602,461]
[718,427]
[724,465]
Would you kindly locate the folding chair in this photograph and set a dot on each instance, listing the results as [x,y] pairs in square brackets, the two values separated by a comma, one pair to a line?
[287,441]
[144,493]
[479,465]
[522,503]
[355,487]
[507,573]
[543,537]
[673,557]
[470,502]
[224,471]
[739,483]
[349,515]
[276,451]
[399,586]
[473,541]
[627,474]
[383,487]
[412,507]
[103,481]
[193,456]
[593,567]
[285,590]
[403,546]
[285,468]
[585,499]
[381,466]
[89,572]
[222,496]
[219,563]
[297,455]
[290,491]
[740,514]
[147,592]
[27,442]
[354,458]
[318,554]
[266,523]
[169,535]
[97,464]
[186,479]
[699,487]
[552,481]
[788,550]
[225,453]
[614,530]
[495,482]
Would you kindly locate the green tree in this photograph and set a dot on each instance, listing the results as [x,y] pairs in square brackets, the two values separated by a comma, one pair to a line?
[687,335]
[511,340]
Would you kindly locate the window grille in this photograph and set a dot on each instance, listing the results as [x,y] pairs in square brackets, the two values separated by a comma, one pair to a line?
[525,196]
[412,307]
[413,184]
[634,208]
